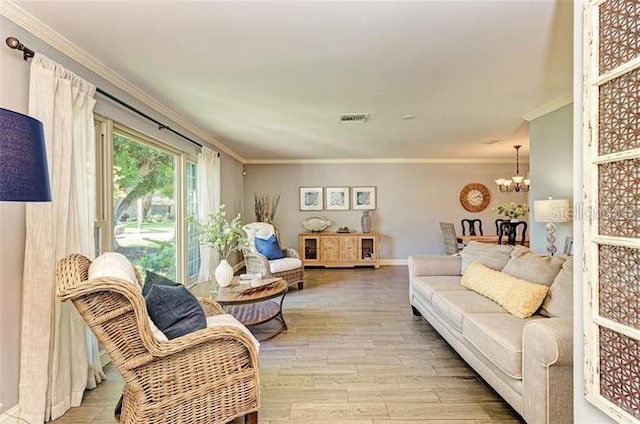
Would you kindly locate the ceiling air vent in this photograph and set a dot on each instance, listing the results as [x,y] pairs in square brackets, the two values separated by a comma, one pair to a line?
[353,118]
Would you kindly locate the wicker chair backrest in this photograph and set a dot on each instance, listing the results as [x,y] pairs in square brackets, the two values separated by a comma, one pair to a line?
[113,309]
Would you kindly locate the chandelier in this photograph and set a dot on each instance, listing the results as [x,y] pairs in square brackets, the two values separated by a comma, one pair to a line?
[517,182]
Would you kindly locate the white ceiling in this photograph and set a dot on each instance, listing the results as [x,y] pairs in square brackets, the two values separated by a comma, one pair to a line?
[268,79]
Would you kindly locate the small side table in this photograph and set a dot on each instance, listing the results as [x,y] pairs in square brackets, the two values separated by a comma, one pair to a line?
[256,307]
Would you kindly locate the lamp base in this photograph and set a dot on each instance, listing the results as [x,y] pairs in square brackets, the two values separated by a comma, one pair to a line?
[551,238]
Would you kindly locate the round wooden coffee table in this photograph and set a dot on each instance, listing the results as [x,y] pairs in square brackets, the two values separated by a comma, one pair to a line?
[254,305]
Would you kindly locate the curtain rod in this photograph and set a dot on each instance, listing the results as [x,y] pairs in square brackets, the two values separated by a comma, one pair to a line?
[27,53]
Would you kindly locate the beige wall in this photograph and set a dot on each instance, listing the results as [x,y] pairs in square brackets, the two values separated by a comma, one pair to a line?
[14,74]
[551,162]
[412,199]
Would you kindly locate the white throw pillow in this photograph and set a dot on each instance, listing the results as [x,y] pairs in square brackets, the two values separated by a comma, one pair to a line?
[230,321]
[113,264]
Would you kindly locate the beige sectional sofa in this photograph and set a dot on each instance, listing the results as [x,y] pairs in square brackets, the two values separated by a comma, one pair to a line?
[527,361]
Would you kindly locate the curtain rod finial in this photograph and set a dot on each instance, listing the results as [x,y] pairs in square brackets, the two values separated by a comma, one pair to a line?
[15,44]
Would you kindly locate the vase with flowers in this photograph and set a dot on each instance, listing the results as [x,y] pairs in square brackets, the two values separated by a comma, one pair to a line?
[224,237]
[512,210]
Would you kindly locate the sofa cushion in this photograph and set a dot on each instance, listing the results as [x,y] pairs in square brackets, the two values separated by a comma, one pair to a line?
[284,264]
[453,305]
[495,256]
[519,297]
[559,300]
[534,267]
[499,338]
[426,286]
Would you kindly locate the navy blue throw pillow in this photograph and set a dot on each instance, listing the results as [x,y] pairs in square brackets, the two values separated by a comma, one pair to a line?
[174,310]
[152,278]
[270,248]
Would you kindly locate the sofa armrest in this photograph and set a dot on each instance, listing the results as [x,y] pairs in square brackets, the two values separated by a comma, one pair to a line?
[423,265]
[547,370]
[549,341]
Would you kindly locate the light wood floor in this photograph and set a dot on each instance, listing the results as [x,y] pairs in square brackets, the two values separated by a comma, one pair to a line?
[353,354]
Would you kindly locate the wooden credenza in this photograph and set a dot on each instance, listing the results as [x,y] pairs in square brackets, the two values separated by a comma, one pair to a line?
[335,250]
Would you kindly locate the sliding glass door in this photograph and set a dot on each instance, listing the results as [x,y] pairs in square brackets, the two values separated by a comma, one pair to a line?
[144,204]
[147,189]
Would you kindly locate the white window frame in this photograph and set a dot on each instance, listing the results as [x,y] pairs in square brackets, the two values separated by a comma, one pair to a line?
[105,128]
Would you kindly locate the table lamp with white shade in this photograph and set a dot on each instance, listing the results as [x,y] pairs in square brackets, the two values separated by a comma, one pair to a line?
[551,211]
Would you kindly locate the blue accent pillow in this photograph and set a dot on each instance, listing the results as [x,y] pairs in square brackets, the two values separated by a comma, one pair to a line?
[270,248]
[152,278]
[174,310]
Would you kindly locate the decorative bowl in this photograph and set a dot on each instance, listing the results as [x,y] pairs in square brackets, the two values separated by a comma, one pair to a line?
[316,223]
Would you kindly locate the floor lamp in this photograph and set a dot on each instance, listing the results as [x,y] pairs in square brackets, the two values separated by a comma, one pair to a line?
[551,211]
[24,176]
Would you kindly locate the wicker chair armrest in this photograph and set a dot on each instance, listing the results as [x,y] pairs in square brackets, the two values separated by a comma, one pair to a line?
[200,338]
[256,263]
[214,351]
[210,306]
[291,253]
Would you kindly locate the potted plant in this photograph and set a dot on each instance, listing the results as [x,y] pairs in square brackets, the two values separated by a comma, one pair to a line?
[224,237]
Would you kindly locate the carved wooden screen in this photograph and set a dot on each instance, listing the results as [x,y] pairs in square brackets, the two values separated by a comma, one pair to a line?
[612,207]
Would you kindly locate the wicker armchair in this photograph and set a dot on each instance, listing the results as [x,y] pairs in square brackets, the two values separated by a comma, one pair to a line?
[209,376]
[258,263]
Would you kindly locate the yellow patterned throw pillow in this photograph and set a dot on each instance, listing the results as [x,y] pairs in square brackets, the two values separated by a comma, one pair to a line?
[519,297]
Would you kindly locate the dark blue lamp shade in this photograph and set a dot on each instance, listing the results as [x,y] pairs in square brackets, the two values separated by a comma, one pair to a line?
[24,176]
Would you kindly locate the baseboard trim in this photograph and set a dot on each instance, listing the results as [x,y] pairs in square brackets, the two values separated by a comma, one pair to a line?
[9,417]
[394,262]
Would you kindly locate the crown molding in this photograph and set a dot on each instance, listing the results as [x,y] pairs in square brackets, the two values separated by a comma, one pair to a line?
[375,161]
[47,34]
[555,104]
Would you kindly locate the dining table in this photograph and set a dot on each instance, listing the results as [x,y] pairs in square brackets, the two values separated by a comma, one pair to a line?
[490,239]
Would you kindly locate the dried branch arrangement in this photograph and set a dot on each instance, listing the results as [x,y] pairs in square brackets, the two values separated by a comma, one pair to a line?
[265,206]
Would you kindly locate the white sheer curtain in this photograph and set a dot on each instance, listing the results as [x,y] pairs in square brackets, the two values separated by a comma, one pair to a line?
[208,202]
[54,363]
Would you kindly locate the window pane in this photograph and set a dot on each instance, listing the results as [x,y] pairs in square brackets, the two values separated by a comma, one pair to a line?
[193,248]
[144,205]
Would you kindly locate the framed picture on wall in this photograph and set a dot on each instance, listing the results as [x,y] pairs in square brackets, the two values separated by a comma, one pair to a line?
[311,199]
[363,198]
[337,198]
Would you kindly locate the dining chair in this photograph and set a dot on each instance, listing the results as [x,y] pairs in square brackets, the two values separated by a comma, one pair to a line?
[499,222]
[509,230]
[471,224]
[449,238]
[208,376]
